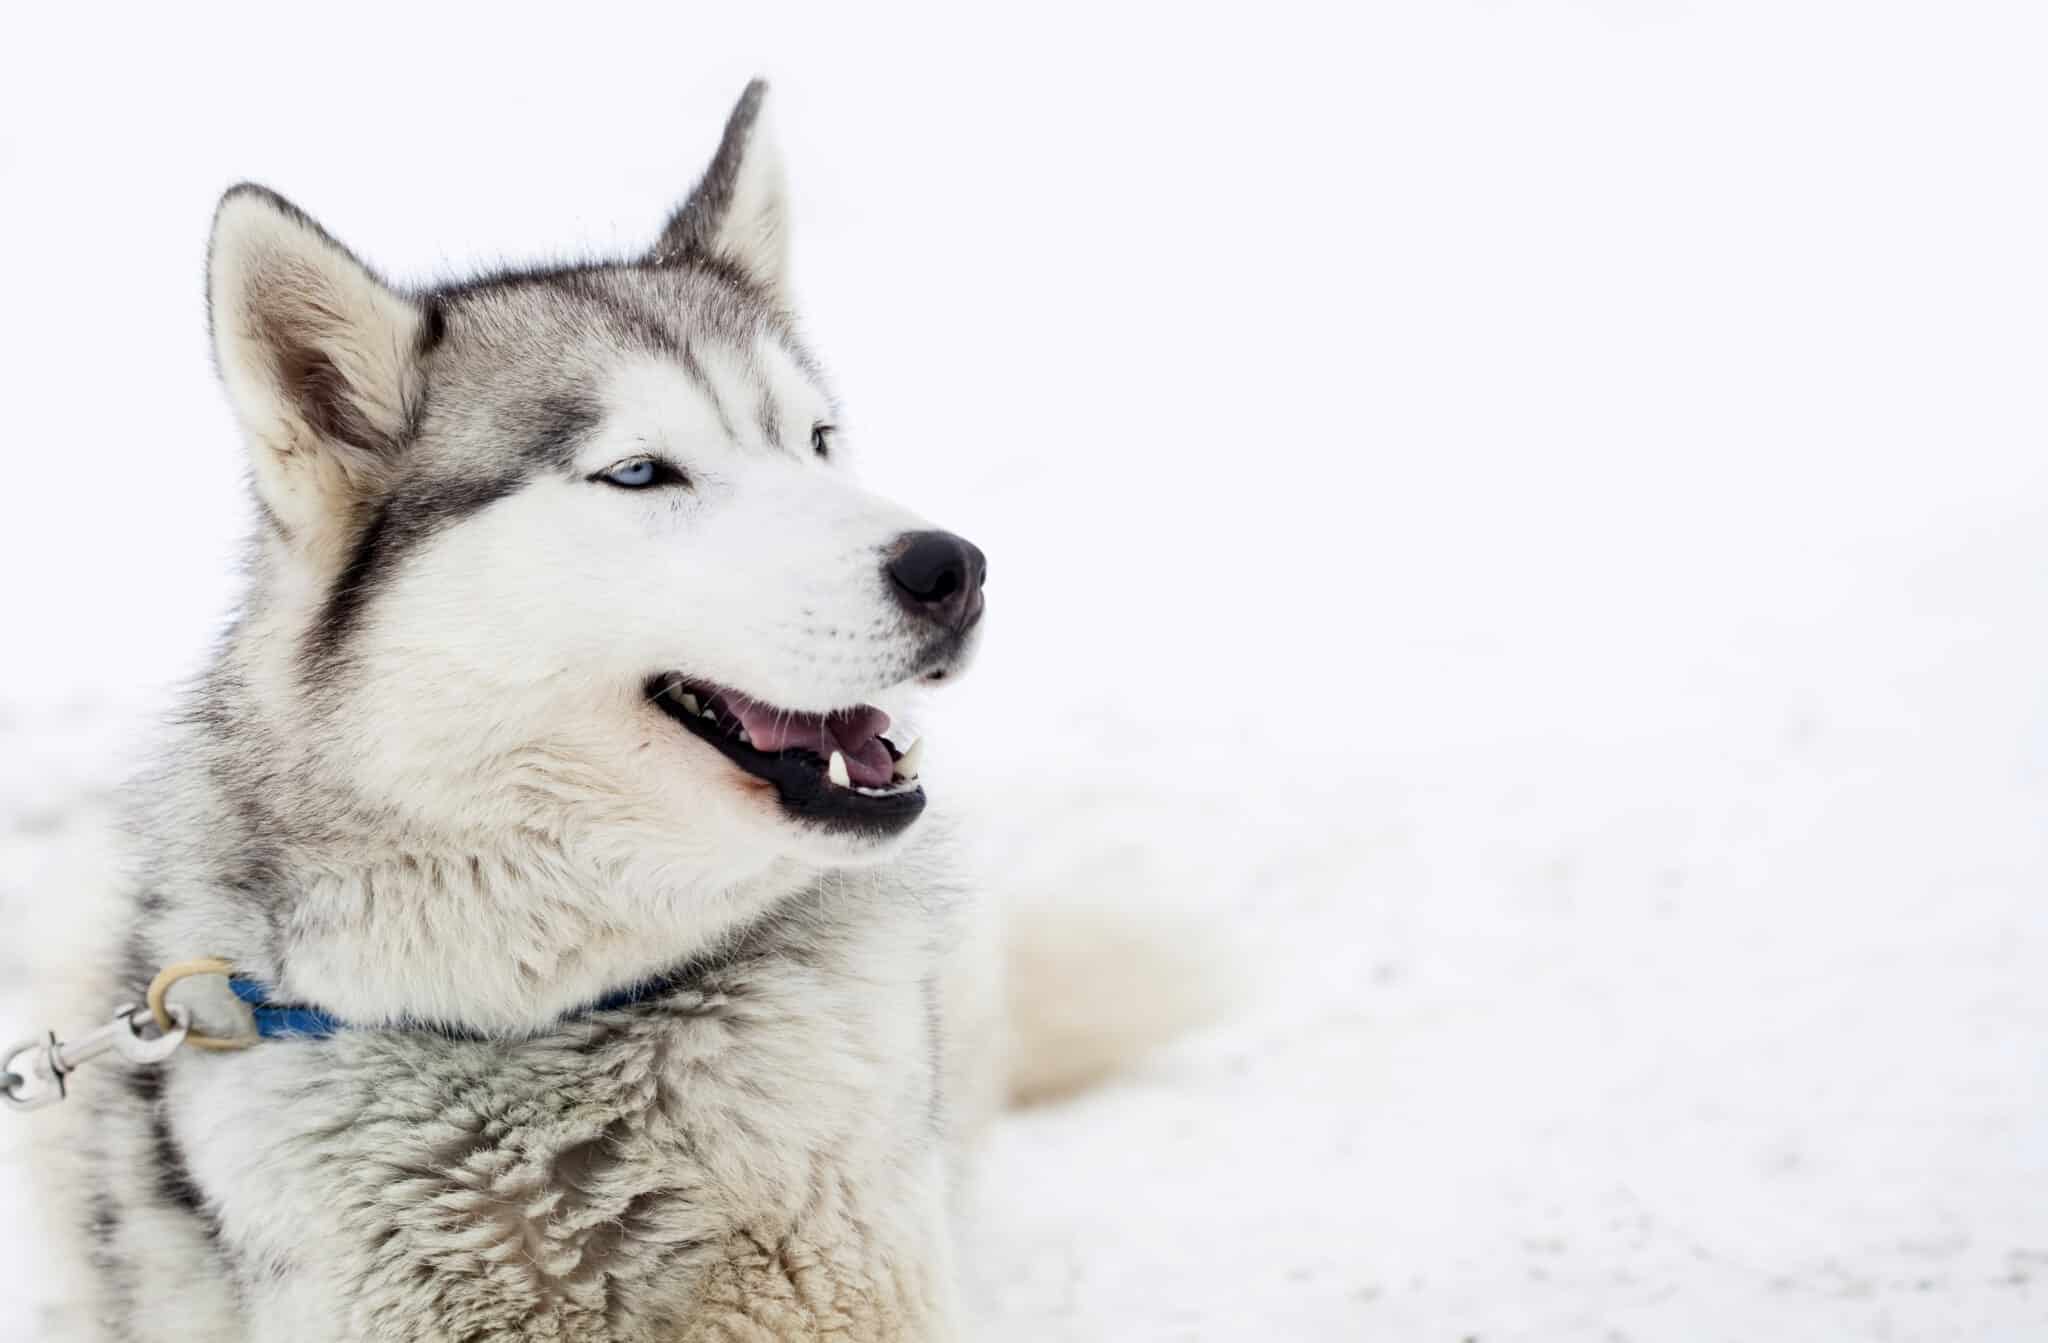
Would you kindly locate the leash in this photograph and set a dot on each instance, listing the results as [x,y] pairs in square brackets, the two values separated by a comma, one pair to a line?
[36,1072]
[33,1072]
[40,1081]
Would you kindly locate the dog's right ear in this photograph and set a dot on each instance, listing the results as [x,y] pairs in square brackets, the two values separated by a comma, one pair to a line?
[321,360]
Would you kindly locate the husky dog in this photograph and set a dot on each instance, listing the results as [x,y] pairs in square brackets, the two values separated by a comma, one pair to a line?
[550,763]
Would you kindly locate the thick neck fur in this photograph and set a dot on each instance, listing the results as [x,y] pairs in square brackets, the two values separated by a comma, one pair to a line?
[522,892]
[766,1153]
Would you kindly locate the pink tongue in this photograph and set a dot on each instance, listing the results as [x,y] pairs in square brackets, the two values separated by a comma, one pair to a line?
[854,733]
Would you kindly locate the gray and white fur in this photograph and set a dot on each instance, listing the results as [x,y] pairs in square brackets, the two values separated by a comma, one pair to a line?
[425,781]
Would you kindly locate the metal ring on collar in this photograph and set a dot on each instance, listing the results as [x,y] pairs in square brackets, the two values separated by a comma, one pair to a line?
[171,974]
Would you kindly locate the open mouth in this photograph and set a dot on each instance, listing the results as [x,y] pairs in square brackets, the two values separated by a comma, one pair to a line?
[836,769]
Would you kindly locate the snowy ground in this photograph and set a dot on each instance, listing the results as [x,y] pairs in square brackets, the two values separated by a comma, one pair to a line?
[1530,520]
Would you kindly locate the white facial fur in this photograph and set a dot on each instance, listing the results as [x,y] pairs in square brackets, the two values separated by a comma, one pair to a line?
[534,624]
[453,627]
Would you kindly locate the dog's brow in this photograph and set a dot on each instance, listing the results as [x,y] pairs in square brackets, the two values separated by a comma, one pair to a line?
[559,424]
[783,372]
[703,383]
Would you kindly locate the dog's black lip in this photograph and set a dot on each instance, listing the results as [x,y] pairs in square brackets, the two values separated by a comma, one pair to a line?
[798,775]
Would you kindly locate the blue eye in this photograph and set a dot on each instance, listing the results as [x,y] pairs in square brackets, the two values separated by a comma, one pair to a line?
[641,473]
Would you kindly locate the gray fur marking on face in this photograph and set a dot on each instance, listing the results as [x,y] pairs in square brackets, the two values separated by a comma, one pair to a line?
[703,383]
[482,432]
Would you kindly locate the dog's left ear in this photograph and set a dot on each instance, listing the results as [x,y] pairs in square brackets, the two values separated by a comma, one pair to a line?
[739,212]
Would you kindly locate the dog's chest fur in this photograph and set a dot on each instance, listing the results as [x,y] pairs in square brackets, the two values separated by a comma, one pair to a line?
[761,1155]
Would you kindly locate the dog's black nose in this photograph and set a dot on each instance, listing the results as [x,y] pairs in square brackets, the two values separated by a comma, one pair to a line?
[939,575]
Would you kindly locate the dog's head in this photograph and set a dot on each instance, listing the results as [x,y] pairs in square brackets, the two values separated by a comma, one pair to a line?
[582,538]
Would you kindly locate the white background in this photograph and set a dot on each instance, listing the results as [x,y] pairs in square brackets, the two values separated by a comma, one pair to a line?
[1527,519]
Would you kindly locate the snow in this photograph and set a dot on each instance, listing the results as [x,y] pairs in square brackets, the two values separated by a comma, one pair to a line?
[1525,520]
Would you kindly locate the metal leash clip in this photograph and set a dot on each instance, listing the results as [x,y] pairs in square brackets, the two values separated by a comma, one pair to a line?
[32,1073]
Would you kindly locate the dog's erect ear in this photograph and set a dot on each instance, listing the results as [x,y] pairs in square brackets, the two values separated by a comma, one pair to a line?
[740,210]
[320,357]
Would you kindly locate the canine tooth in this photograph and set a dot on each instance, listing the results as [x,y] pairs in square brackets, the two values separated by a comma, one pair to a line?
[906,764]
[690,703]
[836,771]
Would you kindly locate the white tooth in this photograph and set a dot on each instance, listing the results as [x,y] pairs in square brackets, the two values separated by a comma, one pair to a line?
[836,771]
[690,703]
[709,712]
[906,764]
[745,738]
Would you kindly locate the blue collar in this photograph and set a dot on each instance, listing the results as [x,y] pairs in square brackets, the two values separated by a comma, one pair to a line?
[299,1021]
[278,1021]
